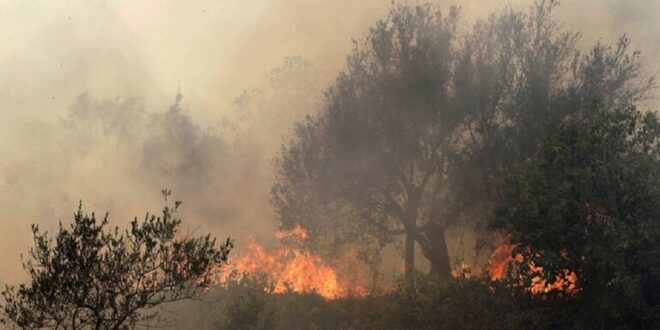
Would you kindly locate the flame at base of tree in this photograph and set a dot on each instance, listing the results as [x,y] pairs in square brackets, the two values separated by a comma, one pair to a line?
[501,259]
[294,269]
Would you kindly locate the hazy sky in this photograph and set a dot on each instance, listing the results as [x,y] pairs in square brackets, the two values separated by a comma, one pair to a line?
[214,49]
[52,51]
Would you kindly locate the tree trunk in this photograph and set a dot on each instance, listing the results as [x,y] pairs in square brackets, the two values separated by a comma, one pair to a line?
[410,261]
[434,248]
[410,224]
[440,263]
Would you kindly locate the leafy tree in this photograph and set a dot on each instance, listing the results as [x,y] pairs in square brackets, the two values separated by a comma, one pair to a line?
[417,133]
[181,152]
[92,277]
[588,202]
[518,76]
[378,154]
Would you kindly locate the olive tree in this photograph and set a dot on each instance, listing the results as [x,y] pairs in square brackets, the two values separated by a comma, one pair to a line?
[415,136]
[89,276]
[584,210]
[378,153]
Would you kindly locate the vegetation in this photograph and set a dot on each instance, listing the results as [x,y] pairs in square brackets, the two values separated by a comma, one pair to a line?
[506,129]
[588,203]
[88,277]
[249,303]
[415,137]
[379,153]
[451,303]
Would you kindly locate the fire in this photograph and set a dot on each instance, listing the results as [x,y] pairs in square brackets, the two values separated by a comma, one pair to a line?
[291,268]
[540,285]
[501,259]
[297,232]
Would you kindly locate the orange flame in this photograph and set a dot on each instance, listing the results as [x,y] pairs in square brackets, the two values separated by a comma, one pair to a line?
[291,268]
[501,258]
[297,232]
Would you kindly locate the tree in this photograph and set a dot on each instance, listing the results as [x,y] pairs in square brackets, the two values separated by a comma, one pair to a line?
[415,137]
[92,277]
[519,75]
[89,121]
[588,203]
[178,151]
[379,151]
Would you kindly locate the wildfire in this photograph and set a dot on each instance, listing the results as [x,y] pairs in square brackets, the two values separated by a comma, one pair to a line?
[501,259]
[290,268]
[297,232]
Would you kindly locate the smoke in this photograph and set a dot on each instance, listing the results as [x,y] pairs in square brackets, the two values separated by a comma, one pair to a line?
[90,109]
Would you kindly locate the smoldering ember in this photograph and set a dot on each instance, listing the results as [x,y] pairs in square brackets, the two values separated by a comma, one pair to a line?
[330,164]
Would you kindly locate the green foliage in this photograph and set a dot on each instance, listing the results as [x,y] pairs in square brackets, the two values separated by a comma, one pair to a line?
[249,303]
[464,303]
[520,74]
[372,165]
[417,133]
[589,202]
[90,277]
[245,303]
[454,303]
